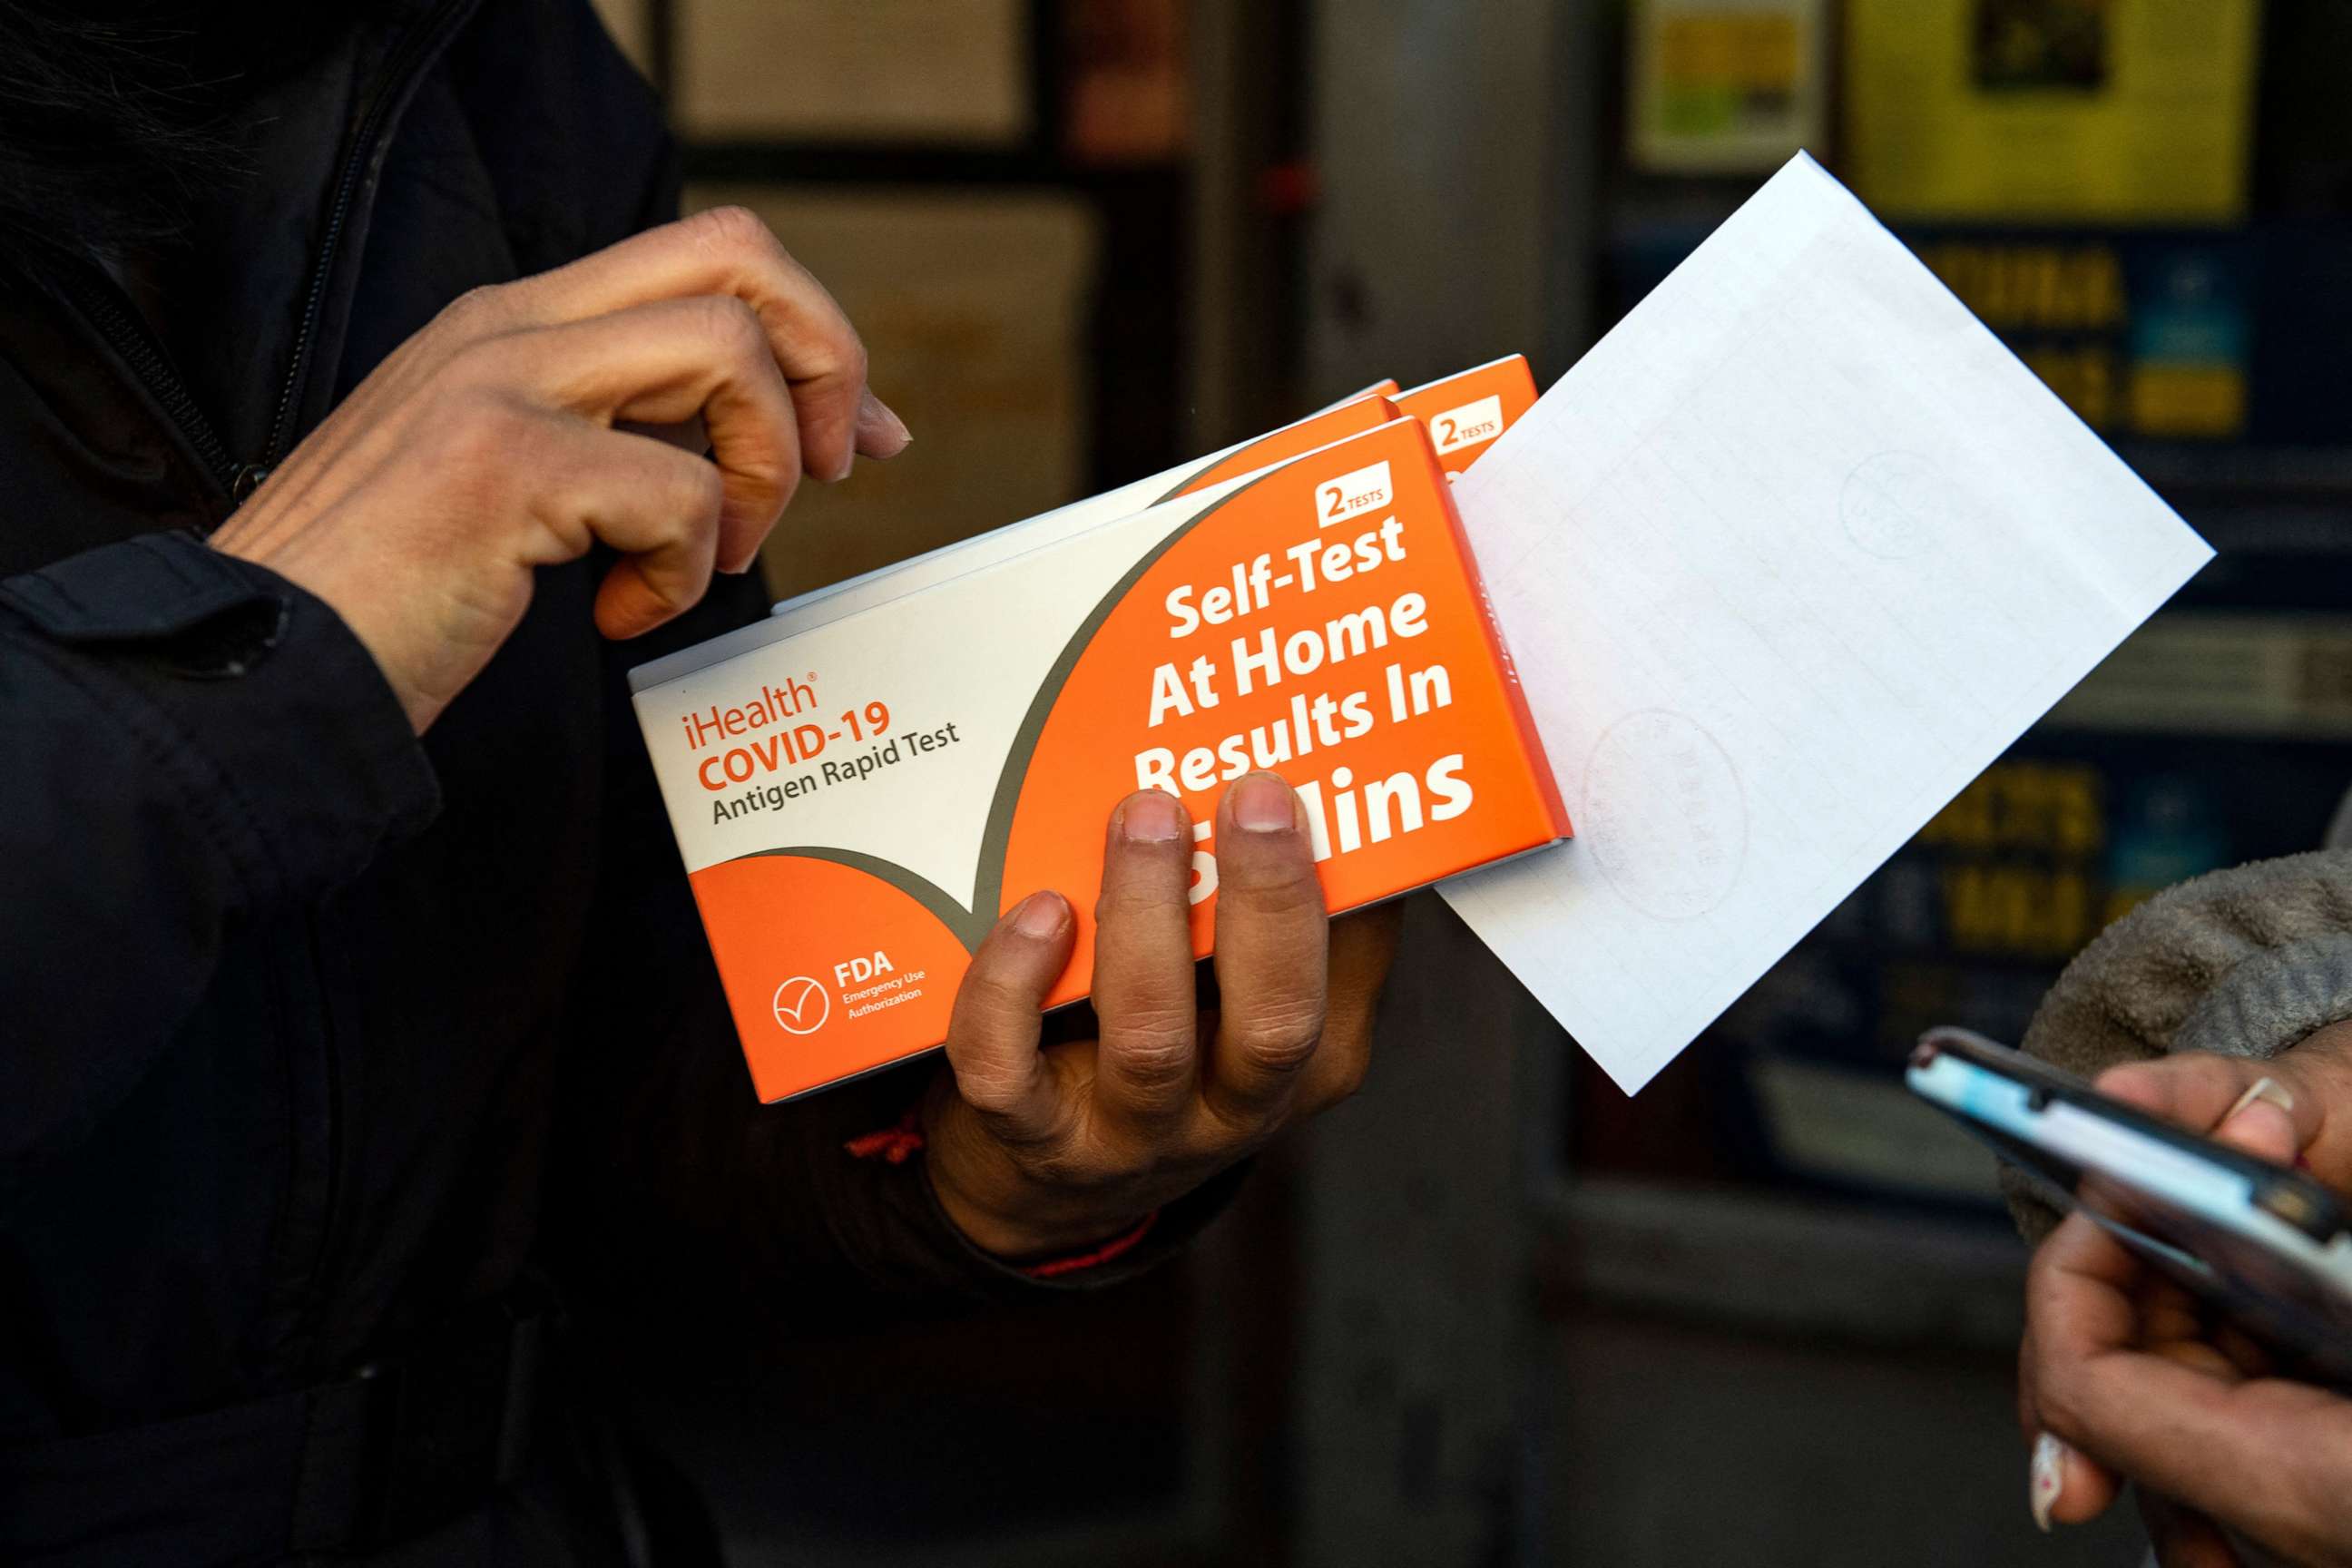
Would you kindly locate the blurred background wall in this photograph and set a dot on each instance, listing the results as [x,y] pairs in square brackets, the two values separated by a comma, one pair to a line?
[1492,1312]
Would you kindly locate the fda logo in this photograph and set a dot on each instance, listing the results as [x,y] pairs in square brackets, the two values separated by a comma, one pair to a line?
[801,1005]
[1352,495]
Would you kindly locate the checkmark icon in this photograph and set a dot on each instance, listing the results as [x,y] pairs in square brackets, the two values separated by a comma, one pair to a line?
[800,1006]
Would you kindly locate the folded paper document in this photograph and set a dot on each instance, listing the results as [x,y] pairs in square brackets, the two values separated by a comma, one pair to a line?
[1786,560]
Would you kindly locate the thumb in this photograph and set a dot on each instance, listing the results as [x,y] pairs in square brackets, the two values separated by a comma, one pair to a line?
[880,433]
[2262,1124]
[2200,1090]
[999,1011]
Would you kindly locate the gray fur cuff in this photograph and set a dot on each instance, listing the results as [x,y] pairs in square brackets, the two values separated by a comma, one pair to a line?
[2245,962]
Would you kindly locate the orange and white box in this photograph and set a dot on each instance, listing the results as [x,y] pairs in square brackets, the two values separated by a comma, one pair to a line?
[1361,412]
[857,801]
[1465,413]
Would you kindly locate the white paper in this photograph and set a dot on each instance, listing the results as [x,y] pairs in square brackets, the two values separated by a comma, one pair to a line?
[1785,561]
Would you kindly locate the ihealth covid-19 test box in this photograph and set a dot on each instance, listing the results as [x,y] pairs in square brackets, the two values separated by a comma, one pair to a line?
[859,795]
[1363,412]
[1465,413]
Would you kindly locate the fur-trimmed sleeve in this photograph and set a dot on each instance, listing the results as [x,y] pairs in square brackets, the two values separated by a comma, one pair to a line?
[2242,963]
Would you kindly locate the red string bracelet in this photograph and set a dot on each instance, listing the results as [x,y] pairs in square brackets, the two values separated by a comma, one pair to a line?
[1093,1258]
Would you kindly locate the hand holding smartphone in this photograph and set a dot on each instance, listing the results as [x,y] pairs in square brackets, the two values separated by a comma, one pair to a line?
[2269,1248]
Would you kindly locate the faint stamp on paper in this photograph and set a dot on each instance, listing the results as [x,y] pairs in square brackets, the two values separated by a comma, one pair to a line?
[1895,505]
[1664,815]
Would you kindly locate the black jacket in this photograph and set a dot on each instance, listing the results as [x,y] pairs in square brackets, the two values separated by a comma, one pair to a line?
[319,1043]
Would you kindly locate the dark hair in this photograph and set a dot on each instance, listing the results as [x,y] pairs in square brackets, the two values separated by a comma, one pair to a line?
[109,128]
[116,116]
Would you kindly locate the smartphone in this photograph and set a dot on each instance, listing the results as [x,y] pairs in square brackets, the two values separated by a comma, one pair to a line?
[2267,1247]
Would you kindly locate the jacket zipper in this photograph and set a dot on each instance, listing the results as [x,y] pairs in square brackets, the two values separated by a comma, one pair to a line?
[421,46]
[119,323]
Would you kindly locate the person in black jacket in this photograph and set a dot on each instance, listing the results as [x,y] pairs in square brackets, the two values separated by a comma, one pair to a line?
[353,1007]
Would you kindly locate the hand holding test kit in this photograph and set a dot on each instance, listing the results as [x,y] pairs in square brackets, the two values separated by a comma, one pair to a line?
[1785,561]
[861,785]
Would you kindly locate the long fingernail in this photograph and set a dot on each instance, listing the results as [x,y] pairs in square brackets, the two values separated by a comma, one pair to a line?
[2046,1480]
[1264,803]
[884,420]
[2265,1088]
[1040,915]
[1155,816]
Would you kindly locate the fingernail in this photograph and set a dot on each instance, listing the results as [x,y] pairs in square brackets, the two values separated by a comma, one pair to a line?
[1155,816]
[2265,1087]
[2047,1477]
[1264,803]
[873,411]
[1040,915]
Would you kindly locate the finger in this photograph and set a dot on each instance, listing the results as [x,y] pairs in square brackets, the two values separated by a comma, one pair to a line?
[2196,1089]
[2247,1356]
[2168,1312]
[658,363]
[2259,1126]
[1273,941]
[1363,945]
[1146,1065]
[686,434]
[729,251]
[992,1032]
[2064,1486]
[656,505]
[2029,1415]
[2182,1537]
[2198,1355]
[2079,1301]
[2202,1437]
[880,432]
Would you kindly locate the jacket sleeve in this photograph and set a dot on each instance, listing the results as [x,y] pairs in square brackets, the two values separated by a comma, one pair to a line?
[2245,963]
[188,738]
[678,1196]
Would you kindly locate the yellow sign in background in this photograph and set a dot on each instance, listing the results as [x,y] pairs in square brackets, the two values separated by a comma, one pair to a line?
[2105,110]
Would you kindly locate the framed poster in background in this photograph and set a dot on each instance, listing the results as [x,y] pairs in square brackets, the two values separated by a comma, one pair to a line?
[1724,86]
[954,72]
[2070,110]
[975,310]
[1127,89]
